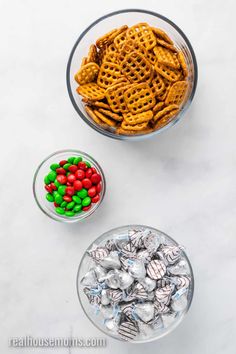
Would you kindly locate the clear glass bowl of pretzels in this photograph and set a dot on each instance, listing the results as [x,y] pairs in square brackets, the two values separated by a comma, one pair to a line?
[131,74]
[135,283]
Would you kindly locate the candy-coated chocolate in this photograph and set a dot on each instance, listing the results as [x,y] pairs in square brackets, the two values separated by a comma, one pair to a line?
[52,176]
[73,168]
[67,198]
[86,201]
[58,198]
[62,190]
[70,191]
[83,193]
[54,166]
[60,210]
[94,169]
[99,187]
[46,180]
[89,173]
[92,192]
[96,198]
[53,186]
[69,213]
[49,197]
[70,205]
[57,184]
[71,159]
[77,160]
[63,204]
[66,166]
[88,164]
[63,162]
[80,174]
[86,208]
[96,178]
[48,188]
[61,179]
[56,205]
[60,171]
[77,208]
[78,185]
[87,183]
[71,178]
[82,166]
[76,199]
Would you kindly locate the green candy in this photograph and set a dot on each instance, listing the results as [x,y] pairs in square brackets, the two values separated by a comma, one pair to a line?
[66,166]
[62,190]
[49,197]
[82,193]
[77,208]
[71,160]
[60,210]
[69,213]
[76,199]
[70,205]
[54,166]
[58,198]
[47,180]
[57,184]
[54,193]
[52,176]
[86,201]
[68,173]
[63,204]
[88,164]
[77,160]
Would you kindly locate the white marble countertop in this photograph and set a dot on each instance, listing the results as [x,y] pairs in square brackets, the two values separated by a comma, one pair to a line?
[184,178]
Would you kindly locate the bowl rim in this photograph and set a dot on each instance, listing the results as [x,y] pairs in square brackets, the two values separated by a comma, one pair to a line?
[85,215]
[113,230]
[131,137]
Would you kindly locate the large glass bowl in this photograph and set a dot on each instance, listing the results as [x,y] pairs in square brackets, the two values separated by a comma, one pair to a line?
[105,24]
[40,193]
[92,312]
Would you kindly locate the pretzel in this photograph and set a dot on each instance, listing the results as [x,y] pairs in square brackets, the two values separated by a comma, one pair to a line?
[167,72]
[120,39]
[138,127]
[109,73]
[183,63]
[91,91]
[110,57]
[136,67]
[139,98]
[166,57]
[165,111]
[158,107]
[98,104]
[87,73]
[108,38]
[92,54]
[92,115]
[83,62]
[166,119]
[103,118]
[110,114]
[162,35]
[157,85]
[177,93]
[143,34]
[151,57]
[166,45]
[100,55]
[167,84]
[115,97]
[133,119]
[121,131]
[130,46]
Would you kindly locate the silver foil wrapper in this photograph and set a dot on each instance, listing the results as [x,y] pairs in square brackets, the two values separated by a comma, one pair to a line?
[156,269]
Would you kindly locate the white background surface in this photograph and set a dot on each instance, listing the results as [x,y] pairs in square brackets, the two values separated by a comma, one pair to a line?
[182,181]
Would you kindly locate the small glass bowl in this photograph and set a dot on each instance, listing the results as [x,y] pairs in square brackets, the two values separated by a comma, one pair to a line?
[107,23]
[40,193]
[95,316]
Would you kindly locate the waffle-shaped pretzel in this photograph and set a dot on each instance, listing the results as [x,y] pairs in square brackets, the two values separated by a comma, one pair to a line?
[157,85]
[83,62]
[170,74]
[87,73]
[139,98]
[119,40]
[167,85]
[111,49]
[166,119]
[108,38]
[133,119]
[109,73]
[91,91]
[115,97]
[121,131]
[98,104]
[105,120]
[111,114]
[92,115]
[130,46]
[158,107]
[151,57]
[162,35]
[183,64]
[138,127]
[166,57]
[92,54]
[165,111]
[177,93]
[111,58]
[101,54]
[136,67]
[166,45]
[143,34]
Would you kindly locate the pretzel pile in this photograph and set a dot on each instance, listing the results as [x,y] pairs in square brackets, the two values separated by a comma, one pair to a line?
[134,80]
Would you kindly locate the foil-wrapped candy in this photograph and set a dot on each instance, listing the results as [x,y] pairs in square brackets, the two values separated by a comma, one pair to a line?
[179,268]
[180,303]
[136,269]
[180,282]
[148,284]
[128,330]
[100,272]
[144,255]
[163,295]
[156,269]
[144,311]
[136,237]
[89,278]
[151,242]
[171,253]
[98,253]
[111,261]
[104,297]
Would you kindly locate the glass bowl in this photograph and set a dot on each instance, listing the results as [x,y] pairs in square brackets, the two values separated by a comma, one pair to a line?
[117,19]
[95,311]
[40,192]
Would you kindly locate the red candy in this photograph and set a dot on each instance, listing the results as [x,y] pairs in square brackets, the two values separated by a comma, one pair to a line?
[60,171]
[63,162]
[71,178]
[99,188]
[67,198]
[87,183]
[80,174]
[94,169]
[53,186]
[89,173]
[61,179]
[96,178]
[70,191]
[73,168]
[56,205]
[48,188]
[86,208]
[92,192]
[82,166]
[78,185]
[96,198]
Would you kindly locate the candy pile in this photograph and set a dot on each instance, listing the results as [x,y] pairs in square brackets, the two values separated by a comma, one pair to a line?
[73,185]
[138,282]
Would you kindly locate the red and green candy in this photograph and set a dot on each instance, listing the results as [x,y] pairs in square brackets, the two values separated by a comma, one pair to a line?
[73,185]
